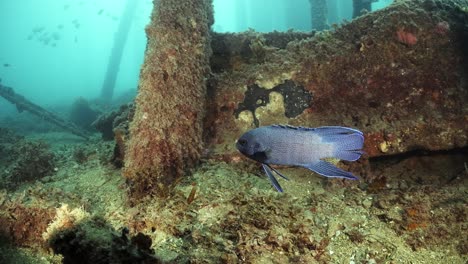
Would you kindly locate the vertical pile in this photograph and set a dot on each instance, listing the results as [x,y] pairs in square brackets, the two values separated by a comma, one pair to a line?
[319,13]
[115,58]
[166,132]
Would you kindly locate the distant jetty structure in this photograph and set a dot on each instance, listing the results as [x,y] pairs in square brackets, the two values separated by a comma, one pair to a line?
[115,58]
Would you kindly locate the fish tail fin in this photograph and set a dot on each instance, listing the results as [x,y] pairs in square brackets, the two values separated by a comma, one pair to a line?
[349,148]
[347,142]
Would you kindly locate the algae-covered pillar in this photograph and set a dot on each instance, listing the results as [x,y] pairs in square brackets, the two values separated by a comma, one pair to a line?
[166,132]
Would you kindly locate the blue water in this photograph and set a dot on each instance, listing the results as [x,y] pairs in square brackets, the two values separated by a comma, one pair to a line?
[53,51]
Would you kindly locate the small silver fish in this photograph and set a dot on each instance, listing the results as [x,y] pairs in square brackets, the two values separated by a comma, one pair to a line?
[302,146]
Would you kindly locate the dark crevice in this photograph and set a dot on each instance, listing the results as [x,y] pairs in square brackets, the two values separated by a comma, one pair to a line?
[296,99]
[419,153]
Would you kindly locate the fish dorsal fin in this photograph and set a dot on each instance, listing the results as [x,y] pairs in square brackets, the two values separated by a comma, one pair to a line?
[325,130]
[294,127]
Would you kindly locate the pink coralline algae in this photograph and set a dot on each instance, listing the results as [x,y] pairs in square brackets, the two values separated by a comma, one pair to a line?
[407,38]
[442,28]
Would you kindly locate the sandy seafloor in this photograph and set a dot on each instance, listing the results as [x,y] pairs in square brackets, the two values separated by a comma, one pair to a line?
[416,213]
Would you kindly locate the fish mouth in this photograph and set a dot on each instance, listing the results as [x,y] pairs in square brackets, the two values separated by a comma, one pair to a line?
[240,148]
[248,154]
[243,151]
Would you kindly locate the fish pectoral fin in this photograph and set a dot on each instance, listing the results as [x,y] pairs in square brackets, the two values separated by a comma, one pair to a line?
[277,172]
[329,170]
[272,178]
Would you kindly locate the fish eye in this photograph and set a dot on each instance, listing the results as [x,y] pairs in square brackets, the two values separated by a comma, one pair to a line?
[242,142]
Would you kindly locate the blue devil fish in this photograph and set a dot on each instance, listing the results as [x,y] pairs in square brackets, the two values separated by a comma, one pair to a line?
[301,146]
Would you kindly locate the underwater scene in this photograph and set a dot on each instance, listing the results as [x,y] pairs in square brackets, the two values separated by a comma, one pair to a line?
[234,131]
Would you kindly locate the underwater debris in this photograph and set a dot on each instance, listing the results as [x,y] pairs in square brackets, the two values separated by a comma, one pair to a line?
[115,125]
[107,122]
[22,104]
[82,114]
[191,196]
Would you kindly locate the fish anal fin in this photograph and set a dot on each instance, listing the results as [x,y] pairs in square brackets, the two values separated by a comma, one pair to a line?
[329,170]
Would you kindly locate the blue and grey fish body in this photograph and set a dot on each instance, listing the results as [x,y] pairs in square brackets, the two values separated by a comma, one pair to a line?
[305,147]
